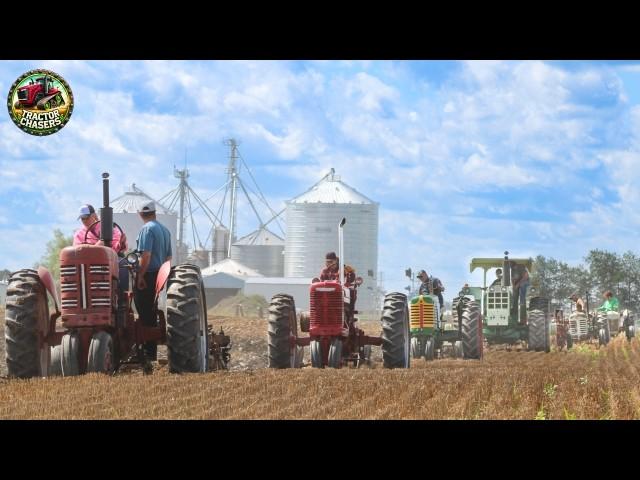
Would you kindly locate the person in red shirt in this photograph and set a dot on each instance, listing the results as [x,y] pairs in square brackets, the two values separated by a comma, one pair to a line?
[331,272]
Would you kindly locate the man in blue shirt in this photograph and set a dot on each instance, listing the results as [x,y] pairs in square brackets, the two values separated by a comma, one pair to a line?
[154,245]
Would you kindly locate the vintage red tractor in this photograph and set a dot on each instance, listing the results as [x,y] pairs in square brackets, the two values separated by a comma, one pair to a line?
[41,94]
[334,337]
[93,328]
[563,330]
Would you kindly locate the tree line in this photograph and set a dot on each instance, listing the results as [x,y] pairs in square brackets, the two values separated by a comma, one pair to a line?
[601,271]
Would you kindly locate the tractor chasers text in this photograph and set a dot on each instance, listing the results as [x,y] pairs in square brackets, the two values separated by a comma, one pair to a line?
[41,120]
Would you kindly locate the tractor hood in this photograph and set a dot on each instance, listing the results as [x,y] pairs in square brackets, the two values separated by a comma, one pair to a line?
[487,263]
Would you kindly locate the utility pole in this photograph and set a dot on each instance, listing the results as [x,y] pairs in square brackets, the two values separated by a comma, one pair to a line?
[233,185]
[182,192]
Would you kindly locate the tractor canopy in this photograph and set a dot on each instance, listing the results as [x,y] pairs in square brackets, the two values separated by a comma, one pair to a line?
[487,263]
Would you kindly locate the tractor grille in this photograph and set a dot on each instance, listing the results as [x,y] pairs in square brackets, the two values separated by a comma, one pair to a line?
[100,302]
[578,325]
[422,314]
[22,94]
[85,286]
[326,307]
[69,303]
[497,300]
[68,271]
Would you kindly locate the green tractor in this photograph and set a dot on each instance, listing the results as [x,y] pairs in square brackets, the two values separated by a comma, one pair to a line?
[504,320]
[430,331]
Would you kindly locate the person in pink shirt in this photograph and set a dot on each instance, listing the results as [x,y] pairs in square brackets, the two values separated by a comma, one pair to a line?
[88,217]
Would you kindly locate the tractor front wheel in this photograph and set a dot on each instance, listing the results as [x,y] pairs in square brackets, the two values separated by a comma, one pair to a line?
[69,351]
[101,353]
[26,319]
[55,368]
[630,332]
[458,349]
[316,353]
[417,347]
[429,349]
[395,331]
[335,353]
[187,334]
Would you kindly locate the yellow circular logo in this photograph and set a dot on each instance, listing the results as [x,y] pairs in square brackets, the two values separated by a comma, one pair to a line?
[40,102]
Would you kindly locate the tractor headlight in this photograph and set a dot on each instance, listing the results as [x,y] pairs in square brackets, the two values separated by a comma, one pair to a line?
[532,289]
[504,289]
[491,289]
[132,259]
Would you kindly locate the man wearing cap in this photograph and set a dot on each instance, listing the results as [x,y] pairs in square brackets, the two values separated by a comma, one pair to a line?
[431,286]
[498,281]
[154,245]
[331,272]
[579,302]
[88,217]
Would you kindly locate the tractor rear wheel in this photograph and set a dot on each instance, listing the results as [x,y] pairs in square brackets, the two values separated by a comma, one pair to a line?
[26,318]
[335,353]
[316,353]
[395,331]
[472,340]
[69,350]
[538,331]
[101,353]
[417,347]
[187,334]
[429,349]
[281,351]
[55,367]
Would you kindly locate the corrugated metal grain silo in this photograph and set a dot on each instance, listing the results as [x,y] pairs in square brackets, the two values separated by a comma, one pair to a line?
[312,231]
[261,250]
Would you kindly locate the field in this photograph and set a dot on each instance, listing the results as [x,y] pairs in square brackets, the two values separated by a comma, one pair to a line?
[586,383]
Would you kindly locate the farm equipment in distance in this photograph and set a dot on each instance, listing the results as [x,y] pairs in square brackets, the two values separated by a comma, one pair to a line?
[504,320]
[430,332]
[334,337]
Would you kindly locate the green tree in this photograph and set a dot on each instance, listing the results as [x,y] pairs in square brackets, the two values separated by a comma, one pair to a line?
[629,296]
[606,271]
[51,257]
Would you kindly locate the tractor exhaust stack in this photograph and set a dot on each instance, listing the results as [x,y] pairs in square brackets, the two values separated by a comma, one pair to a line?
[106,213]
[341,249]
[506,271]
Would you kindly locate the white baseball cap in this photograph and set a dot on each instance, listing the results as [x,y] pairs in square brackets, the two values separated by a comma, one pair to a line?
[147,207]
[85,211]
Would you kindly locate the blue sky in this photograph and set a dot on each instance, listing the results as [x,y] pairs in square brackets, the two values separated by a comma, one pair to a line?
[465,158]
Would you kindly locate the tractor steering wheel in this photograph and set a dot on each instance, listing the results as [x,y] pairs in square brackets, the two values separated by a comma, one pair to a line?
[94,223]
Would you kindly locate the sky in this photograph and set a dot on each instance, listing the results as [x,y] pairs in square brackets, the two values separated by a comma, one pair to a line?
[466,158]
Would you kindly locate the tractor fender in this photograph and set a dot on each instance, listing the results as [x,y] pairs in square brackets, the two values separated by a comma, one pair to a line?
[163,275]
[49,284]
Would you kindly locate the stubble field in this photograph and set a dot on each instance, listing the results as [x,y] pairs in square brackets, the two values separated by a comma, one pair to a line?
[585,383]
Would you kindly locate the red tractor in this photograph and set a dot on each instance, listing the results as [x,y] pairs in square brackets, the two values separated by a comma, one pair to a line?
[41,94]
[563,331]
[334,337]
[98,331]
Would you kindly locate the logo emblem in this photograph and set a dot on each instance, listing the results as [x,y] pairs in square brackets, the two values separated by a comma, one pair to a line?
[40,102]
